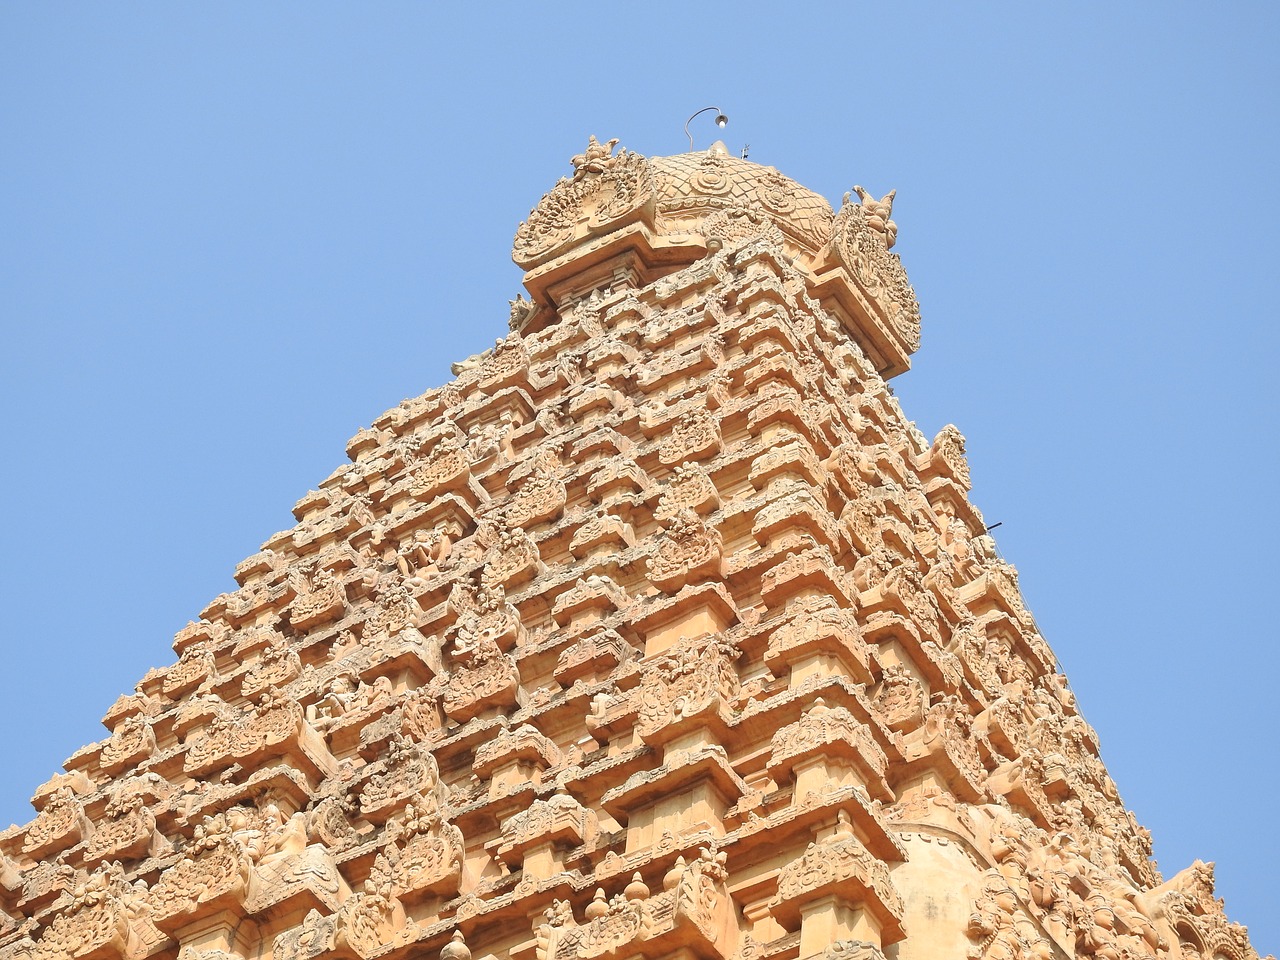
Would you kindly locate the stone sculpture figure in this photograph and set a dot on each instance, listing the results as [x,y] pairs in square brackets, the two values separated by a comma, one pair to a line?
[878,212]
[595,158]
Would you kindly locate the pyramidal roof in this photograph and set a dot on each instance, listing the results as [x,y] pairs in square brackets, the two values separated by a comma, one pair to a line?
[658,632]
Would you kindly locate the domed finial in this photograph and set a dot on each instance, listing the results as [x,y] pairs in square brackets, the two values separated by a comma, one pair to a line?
[598,906]
[456,949]
[637,889]
[672,877]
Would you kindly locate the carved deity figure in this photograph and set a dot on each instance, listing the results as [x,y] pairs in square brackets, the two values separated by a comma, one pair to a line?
[878,212]
[422,554]
[595,159]
[335,702]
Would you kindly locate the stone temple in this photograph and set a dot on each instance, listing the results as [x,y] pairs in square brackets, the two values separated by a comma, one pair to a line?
[660,632]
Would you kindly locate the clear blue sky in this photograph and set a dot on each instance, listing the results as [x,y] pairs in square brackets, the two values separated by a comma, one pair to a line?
[232,234]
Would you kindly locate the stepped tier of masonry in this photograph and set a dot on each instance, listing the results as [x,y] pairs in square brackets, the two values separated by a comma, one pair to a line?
[659,632]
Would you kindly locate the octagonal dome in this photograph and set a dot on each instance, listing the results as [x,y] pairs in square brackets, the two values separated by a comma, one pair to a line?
[693,186]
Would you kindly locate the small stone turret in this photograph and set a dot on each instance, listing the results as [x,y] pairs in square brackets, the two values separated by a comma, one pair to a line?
[623,221]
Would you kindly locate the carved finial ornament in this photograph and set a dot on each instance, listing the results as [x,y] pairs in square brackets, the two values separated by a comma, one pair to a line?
[595,159]
[878,212]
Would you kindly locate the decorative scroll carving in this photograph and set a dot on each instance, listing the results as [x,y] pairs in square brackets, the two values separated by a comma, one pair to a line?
[274,721]
[513,559]
[423,853]
[689,488]
[320,598]
[900,699]
[215,869]
[853,950]
[862,249]
[275,666]
[841,865]
[820,628]
[693,677]
[696,436]
[506,363]
[560,817]
[541,497]
[694,907]
[127,828]
[194,667]
[131,742]
[311,938]
[409,771]
[488,621]
[688,551]
[59,824]
[605,189]
[522,742]
[105,913]
[601,532]
[594,592]
[735,226]
[395,611]
[489,679]
[330,824]
[827,731]
[598,652]
[372,919]
[446,467]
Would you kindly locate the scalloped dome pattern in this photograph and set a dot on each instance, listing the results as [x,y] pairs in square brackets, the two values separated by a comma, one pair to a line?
[691,186]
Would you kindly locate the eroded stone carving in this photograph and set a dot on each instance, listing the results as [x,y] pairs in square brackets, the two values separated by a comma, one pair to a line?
[862,242]
[604,189]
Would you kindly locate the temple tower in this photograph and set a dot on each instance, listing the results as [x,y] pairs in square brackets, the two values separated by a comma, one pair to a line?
[658,632]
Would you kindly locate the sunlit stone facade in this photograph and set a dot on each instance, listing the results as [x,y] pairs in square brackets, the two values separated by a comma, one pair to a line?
[659,632]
